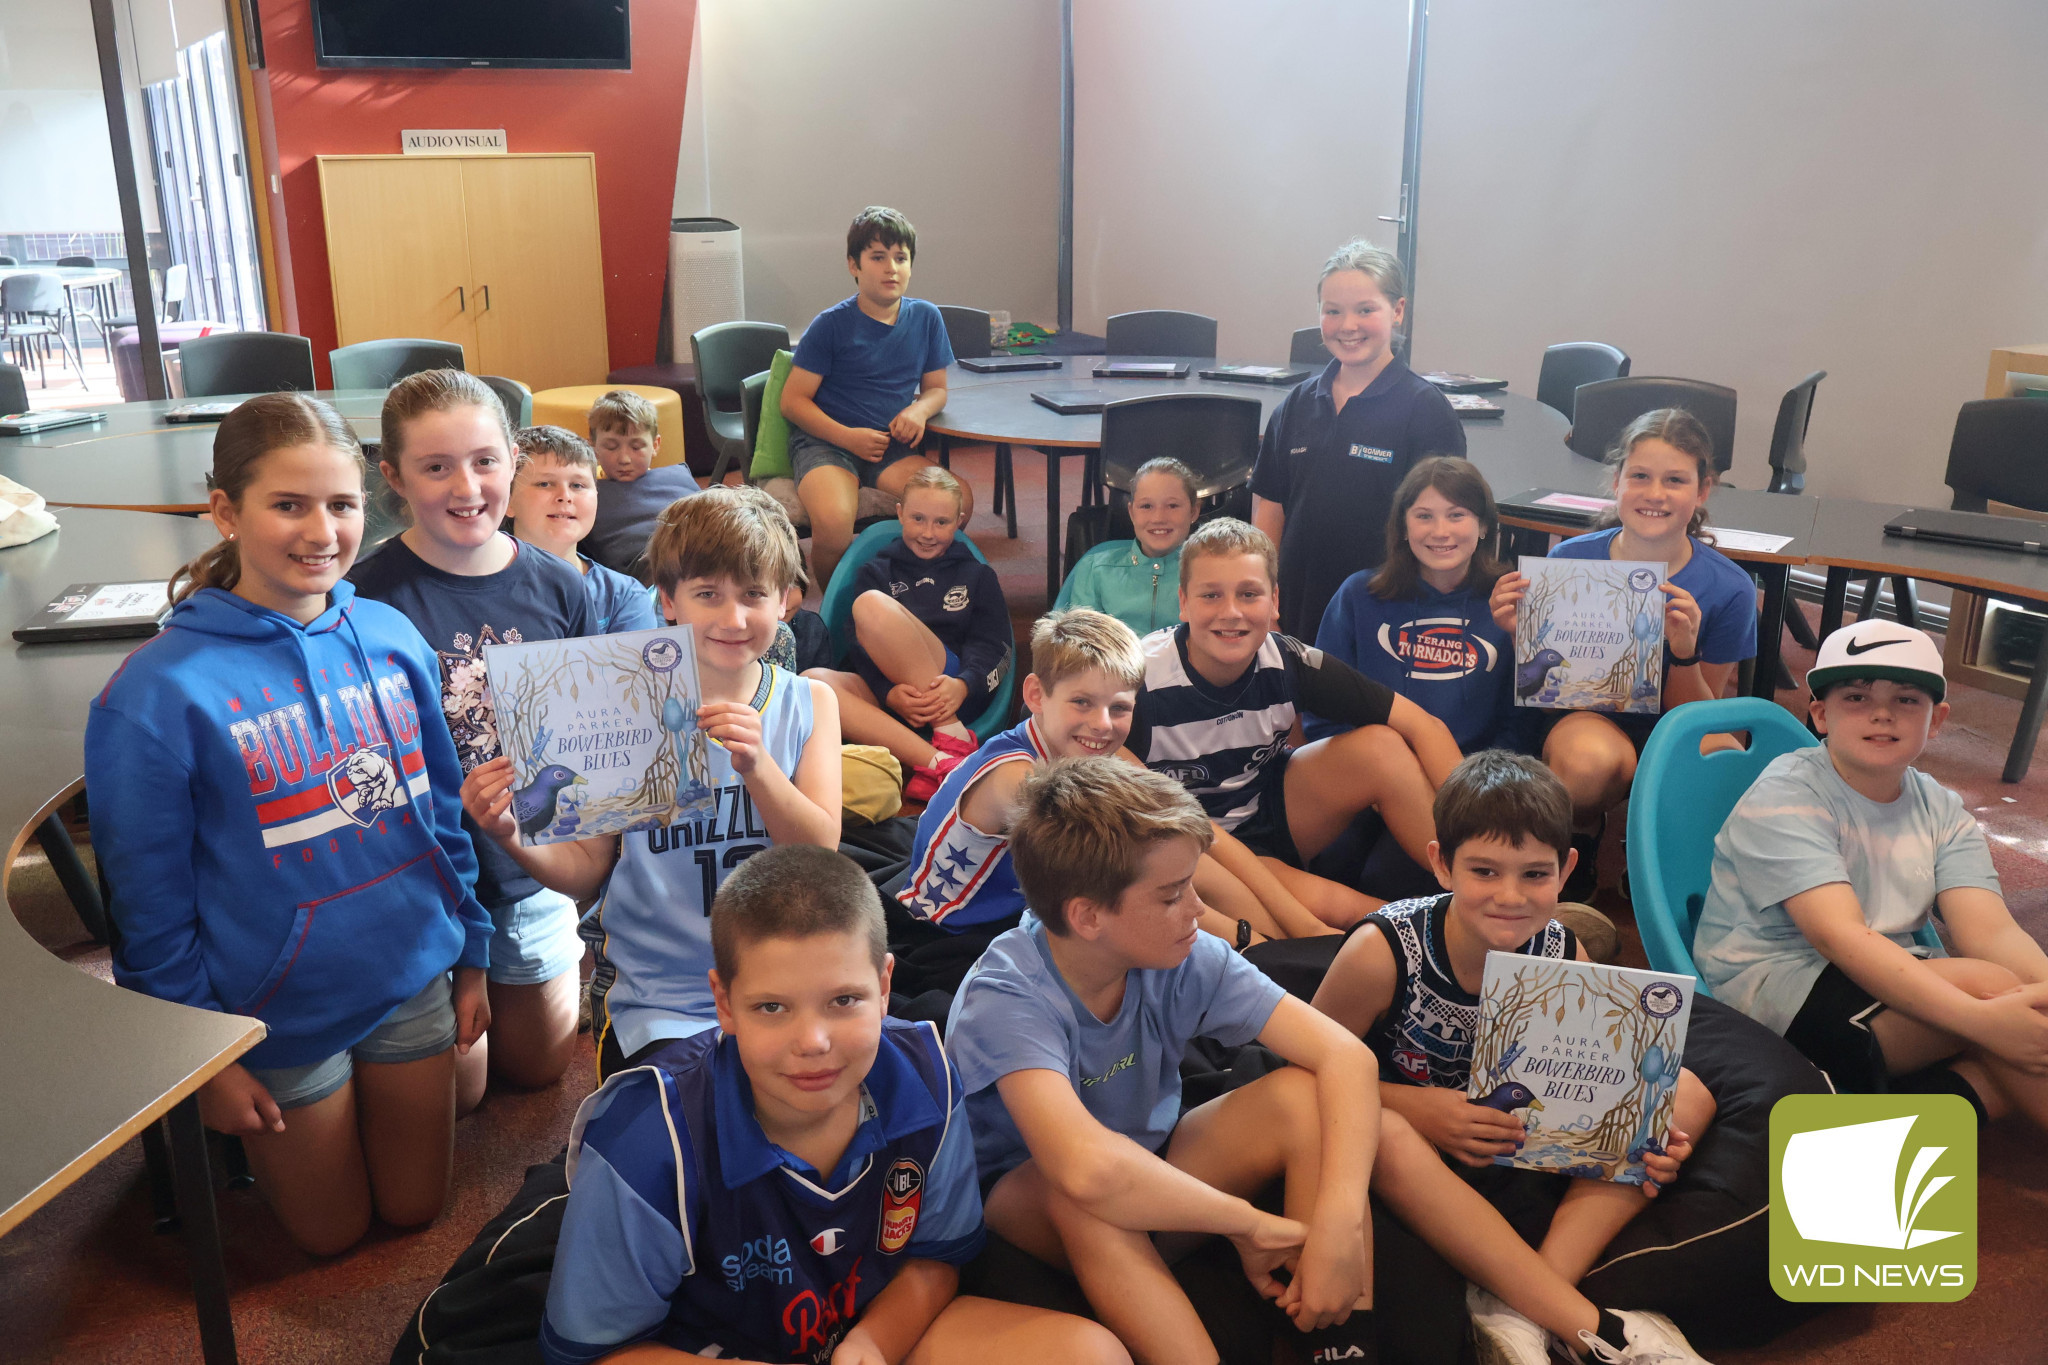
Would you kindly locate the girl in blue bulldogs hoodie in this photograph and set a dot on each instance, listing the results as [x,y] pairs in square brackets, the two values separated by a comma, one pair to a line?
[279,822]
[1420,622]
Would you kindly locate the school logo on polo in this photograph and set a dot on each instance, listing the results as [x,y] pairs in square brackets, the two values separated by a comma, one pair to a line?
[1873,1198]
[1437,649]
[902,1195]
[1374,453]
[955,598]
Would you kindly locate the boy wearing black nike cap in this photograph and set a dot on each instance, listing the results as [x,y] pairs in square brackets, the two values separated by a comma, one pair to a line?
[1831,863]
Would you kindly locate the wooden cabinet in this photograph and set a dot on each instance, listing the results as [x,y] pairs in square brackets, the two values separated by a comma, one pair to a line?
[499,254]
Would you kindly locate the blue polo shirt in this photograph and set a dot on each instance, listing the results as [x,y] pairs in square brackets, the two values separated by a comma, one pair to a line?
[870,370]
[1335,473]
[686,1225]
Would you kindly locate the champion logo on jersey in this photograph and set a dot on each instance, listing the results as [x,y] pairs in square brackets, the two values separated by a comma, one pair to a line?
[1437,649]
[1377,454]
[902,1195]
[829,1241]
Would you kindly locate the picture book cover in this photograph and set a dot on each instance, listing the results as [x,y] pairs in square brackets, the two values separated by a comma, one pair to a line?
[1589,635]
[602,732]
[1587,1055]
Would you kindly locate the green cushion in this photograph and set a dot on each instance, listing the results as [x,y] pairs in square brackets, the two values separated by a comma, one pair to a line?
[771,440]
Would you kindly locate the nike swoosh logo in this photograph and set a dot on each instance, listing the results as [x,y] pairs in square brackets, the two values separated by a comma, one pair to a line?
[1852,649]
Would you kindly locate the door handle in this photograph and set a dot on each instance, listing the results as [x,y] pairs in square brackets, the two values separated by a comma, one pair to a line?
[461,300]
[487,298]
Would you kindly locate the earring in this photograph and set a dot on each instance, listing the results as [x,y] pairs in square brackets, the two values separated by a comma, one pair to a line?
[231,536]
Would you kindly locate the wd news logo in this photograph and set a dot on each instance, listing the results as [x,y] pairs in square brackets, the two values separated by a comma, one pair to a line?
[1873,1198]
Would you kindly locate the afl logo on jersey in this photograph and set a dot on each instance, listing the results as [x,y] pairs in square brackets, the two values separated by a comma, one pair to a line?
[902,1193]
[1437,649]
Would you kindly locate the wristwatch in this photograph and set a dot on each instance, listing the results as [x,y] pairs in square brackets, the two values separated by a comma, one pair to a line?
[1687,662]
[1244,934]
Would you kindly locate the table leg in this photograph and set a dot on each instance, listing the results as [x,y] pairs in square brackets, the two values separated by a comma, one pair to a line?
[2021,754]
[1052,523]
[70,870]
[202,1232]
[1770,629]
[1831,602]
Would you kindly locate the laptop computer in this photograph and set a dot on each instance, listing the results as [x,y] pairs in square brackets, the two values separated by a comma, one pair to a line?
[1070,402]
[1004,364]
[29,423]
[100,611]
[200,412]
[1979,530]
[1142,369]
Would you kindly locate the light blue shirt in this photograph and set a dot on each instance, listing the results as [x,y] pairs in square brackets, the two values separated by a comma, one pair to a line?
[1801,826]
[617,603]
[1015,1012]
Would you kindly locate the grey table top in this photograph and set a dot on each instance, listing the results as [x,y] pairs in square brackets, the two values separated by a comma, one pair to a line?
[986,407]
[84,1066]
[1850,535]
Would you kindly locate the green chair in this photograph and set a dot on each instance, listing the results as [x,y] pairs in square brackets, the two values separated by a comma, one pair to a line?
[1679,802]
[837,609]
[380,364]
[517,398]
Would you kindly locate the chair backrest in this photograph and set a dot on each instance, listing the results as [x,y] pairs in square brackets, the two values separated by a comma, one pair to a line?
[517,398]
[175,278]
[39,292]
[2000,451]
[751,389]
[1160,331]
[1214,434]
[1788,437]
[8,260]
[13,389]
[382,363]
[1572,363]
[727,353]
[836,606]
[968,330]
[246,362]
[1601,410]
[77,260]
[1307,348]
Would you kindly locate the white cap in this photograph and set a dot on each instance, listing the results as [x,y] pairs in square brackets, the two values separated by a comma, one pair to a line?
[1870,650]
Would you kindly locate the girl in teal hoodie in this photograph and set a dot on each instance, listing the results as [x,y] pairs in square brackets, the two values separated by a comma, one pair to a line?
[279,821]
[1138,581]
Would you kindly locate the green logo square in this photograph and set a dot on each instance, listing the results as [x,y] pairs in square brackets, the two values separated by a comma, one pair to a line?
[1873,1198]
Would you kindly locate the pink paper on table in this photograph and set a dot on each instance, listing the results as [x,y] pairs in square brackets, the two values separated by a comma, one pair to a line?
[1574,502]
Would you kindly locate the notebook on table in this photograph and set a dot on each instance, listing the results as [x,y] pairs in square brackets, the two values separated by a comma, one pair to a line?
[1472,405]
[1979,530]
[1288,375]
[1142,369]
[1071,401]
[1547,504]
[1003,364]
[29,423]
[99,611]
[1457,381]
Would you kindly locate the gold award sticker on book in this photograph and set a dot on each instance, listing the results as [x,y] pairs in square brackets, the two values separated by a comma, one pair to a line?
[1589,635]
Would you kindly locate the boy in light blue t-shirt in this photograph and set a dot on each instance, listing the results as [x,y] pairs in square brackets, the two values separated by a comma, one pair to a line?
[553,506]
[1833,861]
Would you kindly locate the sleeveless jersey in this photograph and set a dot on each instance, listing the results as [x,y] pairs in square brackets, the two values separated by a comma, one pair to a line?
[654,916]
[960,875]
[1425,1037]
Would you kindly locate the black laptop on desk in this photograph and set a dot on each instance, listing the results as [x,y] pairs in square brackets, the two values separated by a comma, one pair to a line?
[1979,530]
[1004,364]
[1071,402]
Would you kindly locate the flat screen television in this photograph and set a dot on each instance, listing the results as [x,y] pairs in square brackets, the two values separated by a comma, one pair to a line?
[531,33]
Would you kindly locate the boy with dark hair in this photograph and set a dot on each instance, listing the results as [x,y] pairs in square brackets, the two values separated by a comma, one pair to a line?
[1408,981]
[869,373]
[1832,862]
[1069,1034]
[797,1186]
[626,431]
[554,505]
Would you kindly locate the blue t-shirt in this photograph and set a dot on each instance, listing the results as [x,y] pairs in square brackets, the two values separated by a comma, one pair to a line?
[686,1225]
[870,370]
[627,512]
[538,596]
[1015,1012]
[617,603]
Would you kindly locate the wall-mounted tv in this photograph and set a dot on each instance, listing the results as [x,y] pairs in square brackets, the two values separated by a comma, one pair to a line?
[536,33]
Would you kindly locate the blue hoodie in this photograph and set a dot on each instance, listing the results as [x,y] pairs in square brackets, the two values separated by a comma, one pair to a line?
[280,827]
[1441,650]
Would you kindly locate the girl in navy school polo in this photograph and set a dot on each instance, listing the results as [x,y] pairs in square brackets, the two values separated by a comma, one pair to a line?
[1339,445]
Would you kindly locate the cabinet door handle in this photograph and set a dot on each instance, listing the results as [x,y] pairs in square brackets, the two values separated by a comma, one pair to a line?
[461,300]
[487,297]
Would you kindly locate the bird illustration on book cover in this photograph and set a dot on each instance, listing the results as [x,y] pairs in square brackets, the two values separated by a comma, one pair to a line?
[1589,635]
[1586,1055]
[602,732]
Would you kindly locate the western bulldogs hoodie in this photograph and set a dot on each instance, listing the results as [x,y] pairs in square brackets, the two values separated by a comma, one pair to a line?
[280,829]
[957,596]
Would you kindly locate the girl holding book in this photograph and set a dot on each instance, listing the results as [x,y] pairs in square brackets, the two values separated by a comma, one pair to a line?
[1663,474]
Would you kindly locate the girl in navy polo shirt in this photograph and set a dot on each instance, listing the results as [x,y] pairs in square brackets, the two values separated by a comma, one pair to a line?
[1338,446]
[1663,471]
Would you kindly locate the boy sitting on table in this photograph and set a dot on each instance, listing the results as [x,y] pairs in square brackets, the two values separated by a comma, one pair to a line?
[626,431]
[868,374]
[554,505]
[798,1185]
[1832,862]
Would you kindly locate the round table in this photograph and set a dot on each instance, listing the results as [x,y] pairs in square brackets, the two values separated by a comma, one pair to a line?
[71,277]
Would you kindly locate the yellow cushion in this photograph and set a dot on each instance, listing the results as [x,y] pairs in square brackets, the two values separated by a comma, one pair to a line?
[570,408]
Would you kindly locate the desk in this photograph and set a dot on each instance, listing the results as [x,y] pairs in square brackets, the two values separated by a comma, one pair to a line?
[85,1066]
[1848,538]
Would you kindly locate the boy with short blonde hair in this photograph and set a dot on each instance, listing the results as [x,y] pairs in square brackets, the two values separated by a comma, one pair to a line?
[625,429]
[554,505]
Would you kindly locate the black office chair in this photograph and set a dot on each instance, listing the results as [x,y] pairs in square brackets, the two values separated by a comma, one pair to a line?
[31,313]
[1307,348]
[13,389]
[1214,434]
[725,354]
[8,260]
[969,331]
[1572,363]
[1788,475]
[1602,409]
[382,363]
[1161,332]
[86,262]
[516,397]
[246,362]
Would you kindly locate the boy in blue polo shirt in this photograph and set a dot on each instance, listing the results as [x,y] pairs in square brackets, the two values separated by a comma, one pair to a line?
[799,1185]
[869,373]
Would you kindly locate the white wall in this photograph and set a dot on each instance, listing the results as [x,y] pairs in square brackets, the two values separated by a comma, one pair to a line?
[949,112]
[55,160]
[1744,192]
[1223,150]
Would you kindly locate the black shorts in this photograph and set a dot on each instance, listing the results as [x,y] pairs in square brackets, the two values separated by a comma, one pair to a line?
[1833,1030]
[1266,832]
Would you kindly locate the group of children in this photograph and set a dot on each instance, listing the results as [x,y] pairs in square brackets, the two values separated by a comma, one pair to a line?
[771,1168]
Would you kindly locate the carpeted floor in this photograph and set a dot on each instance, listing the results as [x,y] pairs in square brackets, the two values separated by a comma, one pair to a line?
[85,1280]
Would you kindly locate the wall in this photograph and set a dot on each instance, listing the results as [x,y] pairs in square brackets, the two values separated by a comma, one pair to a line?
[1222,151]
[631,120]
[949,112]
[55,160]
[1745,192]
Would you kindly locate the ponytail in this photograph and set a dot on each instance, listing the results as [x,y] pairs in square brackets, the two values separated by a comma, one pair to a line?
[267,422]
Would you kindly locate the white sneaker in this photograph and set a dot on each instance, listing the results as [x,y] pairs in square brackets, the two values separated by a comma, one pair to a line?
[1505,1337]
[1652,1337]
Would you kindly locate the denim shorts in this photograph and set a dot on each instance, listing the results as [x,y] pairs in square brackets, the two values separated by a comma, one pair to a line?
[417,1029]
[807,452]
[534,940]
